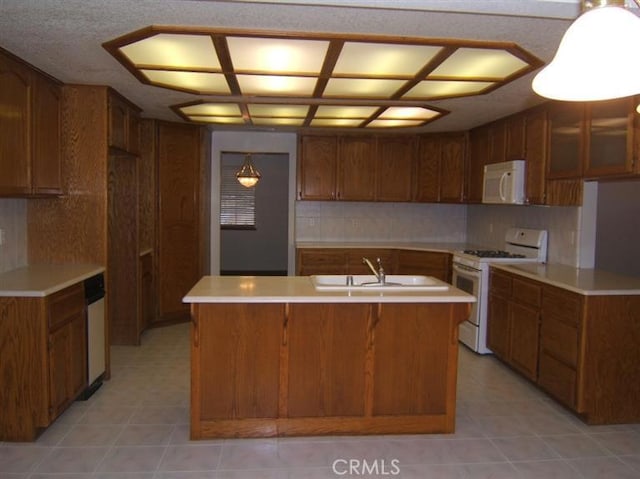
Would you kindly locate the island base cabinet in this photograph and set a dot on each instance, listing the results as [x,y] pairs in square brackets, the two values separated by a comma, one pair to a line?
[295,369]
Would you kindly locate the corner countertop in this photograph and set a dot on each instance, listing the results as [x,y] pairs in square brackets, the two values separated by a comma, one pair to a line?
[41,280]
[299,289]
[588,282]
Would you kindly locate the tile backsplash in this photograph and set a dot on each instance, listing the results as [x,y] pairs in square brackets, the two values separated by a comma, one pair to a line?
[13,222]
[364,221]
[488,224]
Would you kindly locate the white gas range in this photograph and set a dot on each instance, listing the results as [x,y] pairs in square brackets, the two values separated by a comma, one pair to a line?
[471,274]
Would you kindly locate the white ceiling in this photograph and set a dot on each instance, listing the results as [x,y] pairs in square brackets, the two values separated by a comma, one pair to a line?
[64,37]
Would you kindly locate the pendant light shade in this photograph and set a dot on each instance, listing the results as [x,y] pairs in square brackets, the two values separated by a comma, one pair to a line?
[597,58]
[248,176]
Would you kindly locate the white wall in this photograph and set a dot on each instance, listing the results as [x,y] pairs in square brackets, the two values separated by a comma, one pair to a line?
[262,142]
[13,221]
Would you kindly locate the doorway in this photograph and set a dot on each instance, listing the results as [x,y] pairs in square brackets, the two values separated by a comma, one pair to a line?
[254,236]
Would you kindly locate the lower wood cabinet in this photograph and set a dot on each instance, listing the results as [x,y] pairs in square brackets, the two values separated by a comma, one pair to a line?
[394,261]
[43,344]
[578,348]
[513,330]
[261,370]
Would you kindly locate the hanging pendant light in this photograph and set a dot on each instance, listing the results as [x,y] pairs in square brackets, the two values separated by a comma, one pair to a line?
[248,176]
[597,58]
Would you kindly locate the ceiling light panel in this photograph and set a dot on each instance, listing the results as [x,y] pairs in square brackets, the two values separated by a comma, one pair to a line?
[467,63]
[174,51]
[212,109]
[207,83]
[383,60]
[282,111]
[362,88]
[362,112]
[315,79]
[277,56]
[446,89]
[276,85]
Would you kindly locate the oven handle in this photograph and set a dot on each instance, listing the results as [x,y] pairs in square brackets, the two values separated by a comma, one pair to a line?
[466,270]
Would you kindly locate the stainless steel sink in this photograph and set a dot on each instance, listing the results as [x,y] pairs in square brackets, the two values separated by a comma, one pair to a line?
[363,282]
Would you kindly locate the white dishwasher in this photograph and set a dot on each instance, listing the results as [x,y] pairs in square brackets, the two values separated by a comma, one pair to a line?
[94,296]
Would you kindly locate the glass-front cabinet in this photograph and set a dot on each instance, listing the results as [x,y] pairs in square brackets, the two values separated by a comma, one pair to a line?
[566,140]
[610,139]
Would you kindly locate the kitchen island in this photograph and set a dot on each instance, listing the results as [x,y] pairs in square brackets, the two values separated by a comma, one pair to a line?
[271,356]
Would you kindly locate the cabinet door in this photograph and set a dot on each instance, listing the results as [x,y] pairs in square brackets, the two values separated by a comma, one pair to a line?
[146,301]
[452,169]
[478,157]
[426,263]
[536,157]
[326,361]
[356,168]
[15,127]
[497,142]
[46,176]
[409,373]
[428,170]
[515,128]
[523,339]
[317,168]
[498,326]
[179,246]
[566,140]
[394,168]
[67,364]
[610,138]
[118,123]
[321,261]
[355,264]
[238,372]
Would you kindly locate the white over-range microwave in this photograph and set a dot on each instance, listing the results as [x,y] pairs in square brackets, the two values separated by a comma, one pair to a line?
[504,183]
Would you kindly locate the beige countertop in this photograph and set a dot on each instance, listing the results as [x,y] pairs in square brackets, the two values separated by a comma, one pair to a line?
[589,282]
[299,289]
[44,279]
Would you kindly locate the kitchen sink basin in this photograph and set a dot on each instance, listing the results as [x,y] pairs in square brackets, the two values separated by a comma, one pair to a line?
[363,282]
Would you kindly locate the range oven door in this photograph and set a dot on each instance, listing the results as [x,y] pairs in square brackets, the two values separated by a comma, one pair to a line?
[469,280]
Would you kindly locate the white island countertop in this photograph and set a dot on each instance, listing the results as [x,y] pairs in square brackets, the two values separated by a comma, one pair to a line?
[588,282]
[41,280]
[299,289]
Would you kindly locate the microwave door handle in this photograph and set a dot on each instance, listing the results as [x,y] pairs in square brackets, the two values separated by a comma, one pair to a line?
[503,179]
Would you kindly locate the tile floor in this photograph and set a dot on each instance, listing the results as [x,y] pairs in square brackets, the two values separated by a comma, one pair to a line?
[136,427]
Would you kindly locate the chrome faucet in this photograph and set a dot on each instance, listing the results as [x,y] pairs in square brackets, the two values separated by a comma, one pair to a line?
[379,274]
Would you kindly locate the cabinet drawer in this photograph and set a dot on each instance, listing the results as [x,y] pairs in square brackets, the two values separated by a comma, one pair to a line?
[562,303]
[322,258]
[500,283]
[559,340]
[356,266]
[526,292]
[65,304]
[557,379]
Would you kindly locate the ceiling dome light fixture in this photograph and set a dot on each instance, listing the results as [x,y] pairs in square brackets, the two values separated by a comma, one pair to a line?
[248,176]
[597,58]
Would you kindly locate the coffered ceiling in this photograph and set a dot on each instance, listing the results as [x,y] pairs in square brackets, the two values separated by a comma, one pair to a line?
[346,73]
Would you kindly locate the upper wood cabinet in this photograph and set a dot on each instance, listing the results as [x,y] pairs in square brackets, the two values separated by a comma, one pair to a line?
[566,140]
[536,132]
[478,157]
[394,168]
[440,168]
[356,168]
[124,124]
[515,137]
[30,124]
[317,167]
[610,138]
